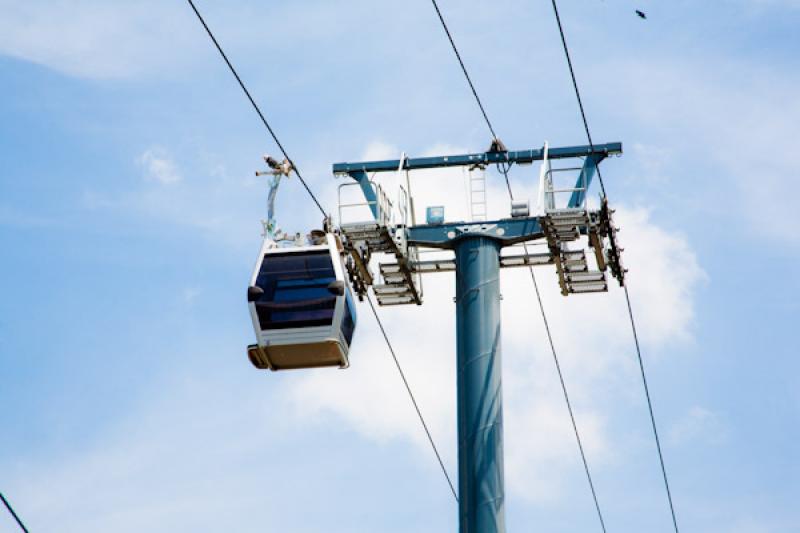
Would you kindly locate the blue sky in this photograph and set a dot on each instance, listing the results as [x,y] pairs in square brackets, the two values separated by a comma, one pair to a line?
[130,218]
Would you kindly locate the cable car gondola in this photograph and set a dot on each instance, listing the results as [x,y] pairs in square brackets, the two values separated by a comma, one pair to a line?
[301,306]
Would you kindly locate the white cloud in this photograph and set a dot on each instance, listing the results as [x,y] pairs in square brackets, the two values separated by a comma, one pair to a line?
[189,458]
[224,207]
[92,38]
[663,274]
[729,145]
[159,166]
[206,449]
[100,39]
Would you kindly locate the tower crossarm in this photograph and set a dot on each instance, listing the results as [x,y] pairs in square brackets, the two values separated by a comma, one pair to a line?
[599,151]
[506,231]
[562,218]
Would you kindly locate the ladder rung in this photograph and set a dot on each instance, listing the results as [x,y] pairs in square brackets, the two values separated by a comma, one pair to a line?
[573,259]
[444,265]
[567,211]
[395,301]
[389,268]
[391,289]
[525,260]
[574,254]
[580,289]
[586,277]
[567,224]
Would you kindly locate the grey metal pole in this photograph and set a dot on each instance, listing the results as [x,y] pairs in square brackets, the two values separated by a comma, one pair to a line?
[480,403]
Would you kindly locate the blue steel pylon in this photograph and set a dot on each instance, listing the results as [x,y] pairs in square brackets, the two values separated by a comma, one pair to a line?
[480,394]
[477,247]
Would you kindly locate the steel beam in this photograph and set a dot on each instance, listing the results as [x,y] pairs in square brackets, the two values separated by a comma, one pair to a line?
[366,187]
[520,156]
[584,180]
[507,232]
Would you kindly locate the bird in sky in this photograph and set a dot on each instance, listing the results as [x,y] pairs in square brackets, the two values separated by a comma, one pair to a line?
[641,14]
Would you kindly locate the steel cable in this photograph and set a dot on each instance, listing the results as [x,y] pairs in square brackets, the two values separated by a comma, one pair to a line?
[563,383]
[577,91]
[627,295]
[413,399]
[255,106]
[464,68]
[469,81]
[314,198]
[13,514]
[566,398]
[650,409]
[504,170]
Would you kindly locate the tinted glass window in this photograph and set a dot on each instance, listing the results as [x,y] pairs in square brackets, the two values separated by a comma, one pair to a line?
[349,321]
[295,290]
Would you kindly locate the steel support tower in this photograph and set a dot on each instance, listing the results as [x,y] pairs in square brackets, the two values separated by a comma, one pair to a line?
[480,393]
[477,260]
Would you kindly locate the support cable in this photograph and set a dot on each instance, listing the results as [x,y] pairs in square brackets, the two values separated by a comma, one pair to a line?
[650,409]
[413,400]
[313,197]
[566,398]
[257,109]
[627,295]
[464,69]
[471,85]
[577,92]
[503,168]
[563,384]
[11,510]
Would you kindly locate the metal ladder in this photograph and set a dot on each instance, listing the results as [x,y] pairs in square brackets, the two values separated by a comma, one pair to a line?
[398,287]
[477,194]
[377,237]
[401,284]
[381,235]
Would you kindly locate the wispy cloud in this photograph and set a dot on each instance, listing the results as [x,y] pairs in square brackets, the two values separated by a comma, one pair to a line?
[729,145]
[699,424]
[91,38]
[151,470]
[97,39]
[159,166]
[222,206]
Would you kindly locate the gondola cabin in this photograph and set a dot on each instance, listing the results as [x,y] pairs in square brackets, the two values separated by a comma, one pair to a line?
[301,306]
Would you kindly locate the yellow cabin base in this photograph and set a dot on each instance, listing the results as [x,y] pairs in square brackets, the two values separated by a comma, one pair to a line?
[294,356]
